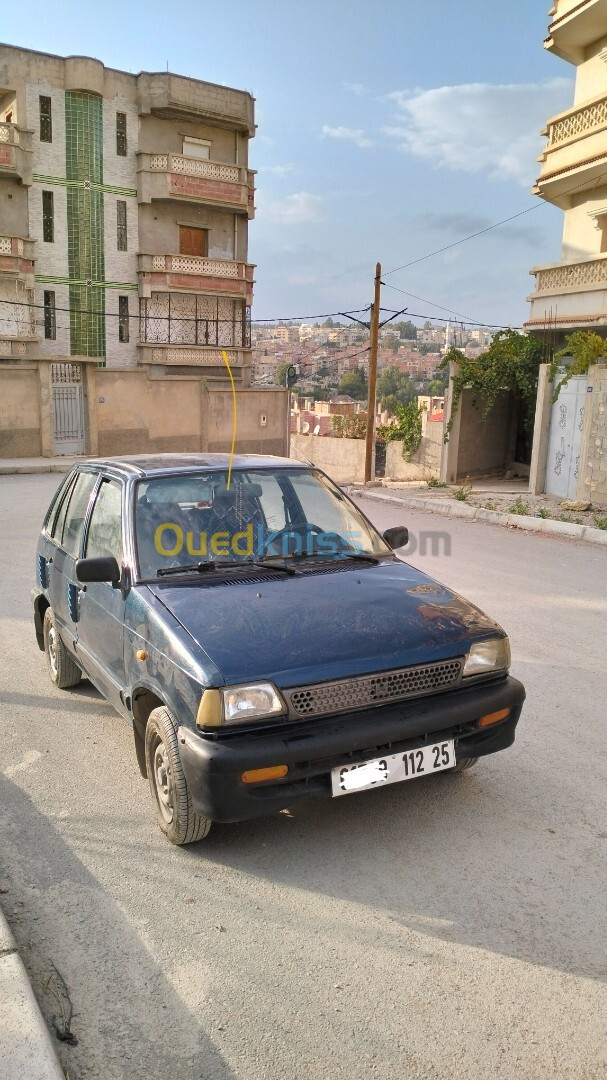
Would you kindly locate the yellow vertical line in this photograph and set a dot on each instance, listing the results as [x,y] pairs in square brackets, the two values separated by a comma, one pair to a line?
[227,363]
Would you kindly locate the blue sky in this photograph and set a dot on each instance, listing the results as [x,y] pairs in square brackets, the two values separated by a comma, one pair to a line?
[386,129]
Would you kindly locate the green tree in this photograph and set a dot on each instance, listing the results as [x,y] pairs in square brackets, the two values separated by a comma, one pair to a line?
[281,373]
[407,330]
[394,384]
[354,383]
[511,362]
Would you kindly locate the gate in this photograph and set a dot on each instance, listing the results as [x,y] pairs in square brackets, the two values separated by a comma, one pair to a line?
[380,459]
[67,398]
[565,440]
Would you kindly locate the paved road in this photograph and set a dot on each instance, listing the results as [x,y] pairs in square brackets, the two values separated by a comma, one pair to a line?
[450,928]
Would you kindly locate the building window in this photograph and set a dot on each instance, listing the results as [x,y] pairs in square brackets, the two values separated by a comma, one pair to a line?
[46,120]
[193,241]
[48,217]
[121,134]
[123,319]
[50,320]
[121,239]
[196,148]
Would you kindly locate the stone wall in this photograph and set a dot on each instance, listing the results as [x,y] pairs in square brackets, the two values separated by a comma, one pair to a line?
[344,459]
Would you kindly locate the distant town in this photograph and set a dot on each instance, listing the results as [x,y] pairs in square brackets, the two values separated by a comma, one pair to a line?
[328,362]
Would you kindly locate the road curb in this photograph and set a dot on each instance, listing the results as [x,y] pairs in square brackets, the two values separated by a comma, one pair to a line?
[26,1048]
[446,508]
[31,470]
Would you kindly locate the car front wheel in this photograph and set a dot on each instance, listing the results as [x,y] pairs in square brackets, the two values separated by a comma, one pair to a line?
[168,786]
[463,765]
[63,671]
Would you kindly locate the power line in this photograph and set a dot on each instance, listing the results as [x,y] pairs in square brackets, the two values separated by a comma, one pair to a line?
[489,228]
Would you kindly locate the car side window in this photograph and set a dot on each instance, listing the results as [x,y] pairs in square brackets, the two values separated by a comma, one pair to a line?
[105,530]
[76,513]
[56,530]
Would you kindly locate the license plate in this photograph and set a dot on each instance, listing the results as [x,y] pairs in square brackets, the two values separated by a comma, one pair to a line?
[393,768]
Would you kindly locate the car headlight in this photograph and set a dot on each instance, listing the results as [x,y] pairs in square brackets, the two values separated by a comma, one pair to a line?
[239,704]
[488,656]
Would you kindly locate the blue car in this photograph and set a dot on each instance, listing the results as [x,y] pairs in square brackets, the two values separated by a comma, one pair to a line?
[262,638]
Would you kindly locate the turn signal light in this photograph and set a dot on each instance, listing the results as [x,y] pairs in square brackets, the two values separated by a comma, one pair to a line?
[255,776]
[493,718]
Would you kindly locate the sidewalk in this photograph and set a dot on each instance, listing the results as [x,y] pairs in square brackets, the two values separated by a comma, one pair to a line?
[26,1048]
[10,466]
[446,506]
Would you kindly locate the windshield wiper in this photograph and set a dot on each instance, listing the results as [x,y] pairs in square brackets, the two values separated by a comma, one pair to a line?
[203,567]
[362,556]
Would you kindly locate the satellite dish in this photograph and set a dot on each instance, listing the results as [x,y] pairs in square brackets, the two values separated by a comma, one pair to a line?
[305,427]
[316,430]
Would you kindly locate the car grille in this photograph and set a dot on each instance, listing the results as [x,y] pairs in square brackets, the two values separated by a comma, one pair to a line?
[358,693]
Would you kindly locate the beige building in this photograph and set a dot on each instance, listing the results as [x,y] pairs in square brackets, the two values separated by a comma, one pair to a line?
[572,293]
[124,210]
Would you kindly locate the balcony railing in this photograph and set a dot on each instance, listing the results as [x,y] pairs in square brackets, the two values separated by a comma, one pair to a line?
[221,184]
[225,276]
[16,258]
[577,123]
[576,25]
[192,356]
[15,152]
[16,347]
[577,275]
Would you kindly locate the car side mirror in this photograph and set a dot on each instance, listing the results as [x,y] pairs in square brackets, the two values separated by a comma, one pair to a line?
[104,568]
[397,537]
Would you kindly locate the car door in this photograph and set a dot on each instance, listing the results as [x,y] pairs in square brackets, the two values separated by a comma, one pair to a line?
[66,541]
[100,628]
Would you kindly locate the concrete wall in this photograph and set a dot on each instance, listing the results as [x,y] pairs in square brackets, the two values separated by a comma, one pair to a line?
[19,412]
[141,410]
[478,447]
[344,459]
[592,484]
[159,229]
[261,420]
[485,446]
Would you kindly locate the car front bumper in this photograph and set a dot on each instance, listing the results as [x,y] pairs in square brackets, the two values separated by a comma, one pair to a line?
[213,764]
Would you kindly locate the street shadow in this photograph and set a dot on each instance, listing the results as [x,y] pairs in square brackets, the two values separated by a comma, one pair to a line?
[129,1021]
[499,858]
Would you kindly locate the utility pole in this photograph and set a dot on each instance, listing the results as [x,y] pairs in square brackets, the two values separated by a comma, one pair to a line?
[374,328]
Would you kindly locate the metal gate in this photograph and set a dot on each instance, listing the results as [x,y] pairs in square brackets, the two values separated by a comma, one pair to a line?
[67,408]
[565,440]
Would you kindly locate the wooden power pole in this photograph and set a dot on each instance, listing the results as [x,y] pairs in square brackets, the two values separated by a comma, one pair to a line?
[372,376]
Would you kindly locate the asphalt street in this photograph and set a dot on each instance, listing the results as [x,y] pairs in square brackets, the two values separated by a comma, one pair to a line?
[452,927]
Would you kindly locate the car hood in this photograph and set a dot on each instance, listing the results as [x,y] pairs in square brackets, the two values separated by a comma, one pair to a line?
[326,624]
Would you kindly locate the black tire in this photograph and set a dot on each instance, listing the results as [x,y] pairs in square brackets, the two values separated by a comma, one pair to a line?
[463,765]
[170,793]
[62,669]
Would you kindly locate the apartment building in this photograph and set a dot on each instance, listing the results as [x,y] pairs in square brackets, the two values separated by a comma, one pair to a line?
[572,293]
[124,208]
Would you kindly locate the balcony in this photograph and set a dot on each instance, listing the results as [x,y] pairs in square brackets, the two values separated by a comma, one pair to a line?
[176,97]
[575,156]
[569,295]
[17,260]
[227,277]
[173,176]
[194,356]
[18,347]
[15,153]
[576,25]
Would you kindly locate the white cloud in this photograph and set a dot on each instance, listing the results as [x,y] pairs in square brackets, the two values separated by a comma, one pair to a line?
[276,170]
[355,135]
[355,88]
[478,127]
[294,209]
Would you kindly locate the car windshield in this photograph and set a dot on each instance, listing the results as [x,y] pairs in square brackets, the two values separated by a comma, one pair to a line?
[262,514]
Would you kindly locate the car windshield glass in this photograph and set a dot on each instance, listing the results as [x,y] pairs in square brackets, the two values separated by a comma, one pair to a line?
[282,513]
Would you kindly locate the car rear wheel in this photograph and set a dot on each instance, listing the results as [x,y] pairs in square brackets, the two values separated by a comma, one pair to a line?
[463,765]
[170,793]
[63,671]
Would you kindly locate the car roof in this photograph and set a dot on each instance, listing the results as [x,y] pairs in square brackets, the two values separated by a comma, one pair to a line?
[145,465]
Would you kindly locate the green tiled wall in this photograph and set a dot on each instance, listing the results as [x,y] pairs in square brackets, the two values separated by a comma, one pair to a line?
[86,262]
